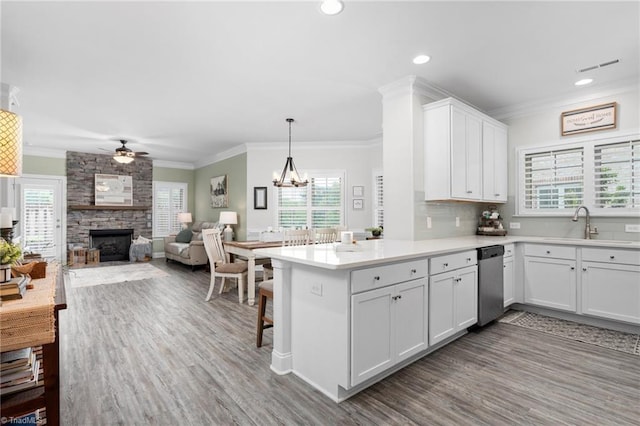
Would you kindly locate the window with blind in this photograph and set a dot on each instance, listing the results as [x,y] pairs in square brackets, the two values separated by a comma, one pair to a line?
[603,176]
[554,179]
[169,199]
[39,219]
[318,205]
[617,175]
[378,200]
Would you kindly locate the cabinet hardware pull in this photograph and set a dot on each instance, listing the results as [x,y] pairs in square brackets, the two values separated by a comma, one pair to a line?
[444,265]
[504,266]
[584,269]
[497,195]
[612,257]
[469,192]
[468,259]
[573,268]
[548,251]
[377,278]
[413,271]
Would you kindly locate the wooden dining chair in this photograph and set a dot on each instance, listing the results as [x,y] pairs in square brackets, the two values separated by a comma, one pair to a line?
[325,235]
[291,237]
[220,265]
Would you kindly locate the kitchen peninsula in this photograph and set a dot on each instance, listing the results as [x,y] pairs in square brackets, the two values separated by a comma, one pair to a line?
[345,320]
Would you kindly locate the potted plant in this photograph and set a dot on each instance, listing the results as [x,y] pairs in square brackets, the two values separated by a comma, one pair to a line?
[376,231]
[9,253]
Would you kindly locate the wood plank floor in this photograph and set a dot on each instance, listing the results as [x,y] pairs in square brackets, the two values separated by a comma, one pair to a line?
[153,352]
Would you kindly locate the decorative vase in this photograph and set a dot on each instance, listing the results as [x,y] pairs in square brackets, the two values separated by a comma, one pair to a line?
[5,273]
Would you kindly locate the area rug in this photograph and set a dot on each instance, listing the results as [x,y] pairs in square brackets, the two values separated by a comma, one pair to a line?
[617,340]
[113,274]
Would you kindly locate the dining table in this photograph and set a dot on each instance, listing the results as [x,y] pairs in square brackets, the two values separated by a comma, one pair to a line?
[246,249]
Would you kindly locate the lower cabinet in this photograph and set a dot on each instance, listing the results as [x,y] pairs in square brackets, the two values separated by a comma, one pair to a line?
[508,282]
[388,325]
[550,276]
[611,291]
[453,302]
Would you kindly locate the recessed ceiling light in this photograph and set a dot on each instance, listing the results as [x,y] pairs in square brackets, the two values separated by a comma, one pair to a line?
[331,7]
[583,82]
[421,59]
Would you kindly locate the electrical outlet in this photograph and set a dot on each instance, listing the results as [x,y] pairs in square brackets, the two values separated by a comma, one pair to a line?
[631,228]
[428,222]
[514,225]
[457,222]
[316,288]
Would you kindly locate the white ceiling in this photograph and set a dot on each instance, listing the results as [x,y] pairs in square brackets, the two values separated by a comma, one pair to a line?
[188,80]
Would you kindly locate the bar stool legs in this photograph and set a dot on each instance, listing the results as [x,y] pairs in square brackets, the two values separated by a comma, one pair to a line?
[264,294]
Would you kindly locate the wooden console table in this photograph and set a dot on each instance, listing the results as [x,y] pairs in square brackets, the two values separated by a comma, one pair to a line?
[47,393]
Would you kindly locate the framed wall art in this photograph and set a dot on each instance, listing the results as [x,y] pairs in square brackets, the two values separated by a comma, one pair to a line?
[113,190]
[598,117]
[358,191]
[219,192]
[260,198]
[358,204]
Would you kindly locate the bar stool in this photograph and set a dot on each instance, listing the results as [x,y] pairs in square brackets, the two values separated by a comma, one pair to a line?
[265,292]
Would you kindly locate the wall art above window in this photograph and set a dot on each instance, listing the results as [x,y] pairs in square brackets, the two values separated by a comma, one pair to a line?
[598,117]
[113,190]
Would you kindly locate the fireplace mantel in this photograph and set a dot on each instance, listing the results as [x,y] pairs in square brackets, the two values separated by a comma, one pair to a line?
[93,207]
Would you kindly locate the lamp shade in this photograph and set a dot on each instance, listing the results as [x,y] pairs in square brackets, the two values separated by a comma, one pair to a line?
[228,218]
[10,144]
[184,218]
[122,159]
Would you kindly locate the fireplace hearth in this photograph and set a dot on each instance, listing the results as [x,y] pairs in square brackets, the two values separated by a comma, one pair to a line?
[113,243]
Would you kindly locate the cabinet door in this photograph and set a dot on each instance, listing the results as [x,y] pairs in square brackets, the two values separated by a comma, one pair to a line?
[509,291]
[494,163]
[611,291]
[371,337]
[466,298]
[550,283]
[466,155]
[441,308]
[411,320]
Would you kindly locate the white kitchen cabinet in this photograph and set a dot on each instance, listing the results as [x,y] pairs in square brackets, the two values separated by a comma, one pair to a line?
[455,157]
[550,276]
[453,302]
[494,162]
[611,284]
[508,277]
[389,324]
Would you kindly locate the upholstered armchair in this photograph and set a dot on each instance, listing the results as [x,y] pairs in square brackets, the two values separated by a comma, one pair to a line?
[187,246]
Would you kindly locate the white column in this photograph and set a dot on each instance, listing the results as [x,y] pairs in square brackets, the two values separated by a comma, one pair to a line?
[281,357]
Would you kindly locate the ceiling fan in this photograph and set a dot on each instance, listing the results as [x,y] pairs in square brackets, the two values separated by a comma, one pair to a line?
[124,155]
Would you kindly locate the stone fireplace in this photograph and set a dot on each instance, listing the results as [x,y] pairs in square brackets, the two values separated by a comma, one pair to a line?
[113,243]
[84,217]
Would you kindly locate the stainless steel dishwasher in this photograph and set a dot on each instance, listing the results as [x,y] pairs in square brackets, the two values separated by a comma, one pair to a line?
[490,284]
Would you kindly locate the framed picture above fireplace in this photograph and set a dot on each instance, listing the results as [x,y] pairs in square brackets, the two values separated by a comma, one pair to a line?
[113,190]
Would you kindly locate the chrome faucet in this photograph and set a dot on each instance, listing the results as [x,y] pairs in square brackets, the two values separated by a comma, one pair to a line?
[587,229]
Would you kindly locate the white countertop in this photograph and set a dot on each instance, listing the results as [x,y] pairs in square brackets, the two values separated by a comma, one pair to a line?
[374,252]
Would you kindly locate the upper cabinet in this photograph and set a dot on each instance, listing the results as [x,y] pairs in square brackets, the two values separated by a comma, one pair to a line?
[465,154]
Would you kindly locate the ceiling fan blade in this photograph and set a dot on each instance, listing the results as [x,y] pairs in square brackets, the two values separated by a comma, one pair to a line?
[141,153]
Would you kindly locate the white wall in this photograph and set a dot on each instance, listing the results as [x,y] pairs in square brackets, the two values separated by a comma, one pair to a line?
[356,159]
[541,128]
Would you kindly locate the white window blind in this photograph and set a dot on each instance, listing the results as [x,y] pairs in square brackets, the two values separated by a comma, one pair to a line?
[39,219]
[554,179]
[318,205]
[169,199]
[378,197]
[617,175]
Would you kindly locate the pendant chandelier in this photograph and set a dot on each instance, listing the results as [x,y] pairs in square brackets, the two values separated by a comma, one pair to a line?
[290,176]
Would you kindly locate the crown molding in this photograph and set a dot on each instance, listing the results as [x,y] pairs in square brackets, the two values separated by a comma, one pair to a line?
[231,152]
[534,107]
[173,164]
[302,146]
